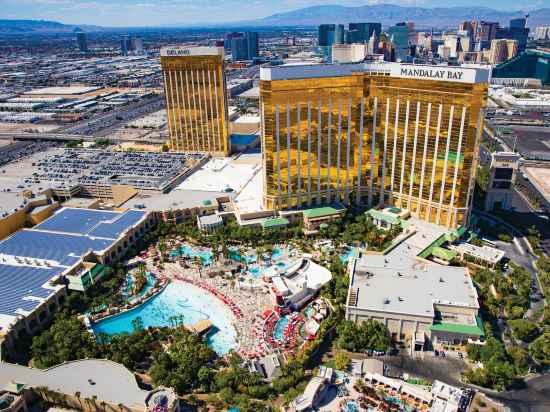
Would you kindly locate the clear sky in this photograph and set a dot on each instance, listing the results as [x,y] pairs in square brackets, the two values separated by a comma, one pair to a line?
[162,12]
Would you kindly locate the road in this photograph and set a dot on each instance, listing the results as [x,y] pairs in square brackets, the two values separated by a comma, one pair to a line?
[105,123]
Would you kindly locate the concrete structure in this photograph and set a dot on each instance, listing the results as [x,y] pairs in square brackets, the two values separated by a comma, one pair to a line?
[109,384]
[19,209]
[504,167]
[209,222]
[417,299]
[299,283]
[196,99]
[481,255]
[313,391]
[349,53]
[356,134]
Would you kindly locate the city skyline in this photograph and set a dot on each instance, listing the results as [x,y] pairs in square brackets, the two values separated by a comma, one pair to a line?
[186,12]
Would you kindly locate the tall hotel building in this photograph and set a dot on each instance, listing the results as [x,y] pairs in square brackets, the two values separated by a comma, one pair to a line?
[196,99]
[373,134]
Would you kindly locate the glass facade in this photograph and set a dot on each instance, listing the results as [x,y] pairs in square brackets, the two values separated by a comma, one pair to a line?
[367,138]
[196,103]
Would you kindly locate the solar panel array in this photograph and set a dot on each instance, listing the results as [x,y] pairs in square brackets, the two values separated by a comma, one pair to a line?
[19,282]
[63,238]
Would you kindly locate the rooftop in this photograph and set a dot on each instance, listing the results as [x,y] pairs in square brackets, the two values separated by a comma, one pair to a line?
[321,212]
[112,382]
[400,282]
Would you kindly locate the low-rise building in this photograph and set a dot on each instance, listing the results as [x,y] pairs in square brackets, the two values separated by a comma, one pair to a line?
[417,299]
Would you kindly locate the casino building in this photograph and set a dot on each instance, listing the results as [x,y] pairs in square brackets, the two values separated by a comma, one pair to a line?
[372,134]
[196,99]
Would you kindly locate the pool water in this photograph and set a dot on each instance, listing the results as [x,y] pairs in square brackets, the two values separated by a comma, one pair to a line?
[255,271]
[309,312]
[178,298]
[130,284]
[204,255]
[236,255]
[350,406]
[276,254]
[278,332]
[345,257]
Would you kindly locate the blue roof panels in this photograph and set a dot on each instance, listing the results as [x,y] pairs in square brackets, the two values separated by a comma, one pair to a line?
[81,221]
[64,248]
[18,283]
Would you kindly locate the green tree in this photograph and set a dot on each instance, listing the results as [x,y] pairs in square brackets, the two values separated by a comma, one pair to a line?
[341,361]
[540,349]
[67,339]
[523,329]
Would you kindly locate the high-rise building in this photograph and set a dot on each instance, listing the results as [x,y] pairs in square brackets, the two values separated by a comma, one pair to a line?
[542,33]
[244,46]
[125,44]
[516,31]
[486,31]
[239,50]
[502,50]
[372,45]
[399,36]
[252,44]
[339,34]
[326,35]
[450,41]
[373,134]
[137,44]
[362,32]
[502,176]
[82,41]
[196,99]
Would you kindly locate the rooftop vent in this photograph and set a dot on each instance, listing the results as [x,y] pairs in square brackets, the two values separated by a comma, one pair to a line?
[386,301]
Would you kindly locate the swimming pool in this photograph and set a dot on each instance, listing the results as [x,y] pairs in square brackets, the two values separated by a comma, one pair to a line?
[345,257]
[278,332]
[130,284]
[204,255]
[255,271]
[276,254]
[177,299]
[350,406]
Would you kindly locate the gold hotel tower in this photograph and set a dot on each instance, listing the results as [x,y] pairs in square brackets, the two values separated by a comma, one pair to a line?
[196,101]
[373,134]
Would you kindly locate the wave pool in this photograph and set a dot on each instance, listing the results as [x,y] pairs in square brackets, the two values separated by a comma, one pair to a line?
[178,299]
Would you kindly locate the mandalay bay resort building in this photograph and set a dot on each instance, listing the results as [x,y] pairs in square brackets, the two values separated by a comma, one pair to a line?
[196,99]
[373,134]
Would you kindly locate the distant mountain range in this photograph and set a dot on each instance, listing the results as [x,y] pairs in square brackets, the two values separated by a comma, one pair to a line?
[389,14]
[40,26]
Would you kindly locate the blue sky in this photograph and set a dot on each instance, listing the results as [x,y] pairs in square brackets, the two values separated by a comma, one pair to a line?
[161,12]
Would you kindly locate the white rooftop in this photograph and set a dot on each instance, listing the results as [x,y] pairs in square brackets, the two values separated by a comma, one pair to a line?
[219,174]
[399,282]
[63,90]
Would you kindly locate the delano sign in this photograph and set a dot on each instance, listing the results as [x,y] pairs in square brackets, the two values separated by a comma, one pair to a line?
[191,51]
[441,73]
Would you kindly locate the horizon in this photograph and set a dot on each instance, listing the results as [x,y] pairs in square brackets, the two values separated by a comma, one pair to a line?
[154,13]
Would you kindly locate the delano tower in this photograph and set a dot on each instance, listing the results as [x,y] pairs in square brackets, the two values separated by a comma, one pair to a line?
[373,134]
[196,101]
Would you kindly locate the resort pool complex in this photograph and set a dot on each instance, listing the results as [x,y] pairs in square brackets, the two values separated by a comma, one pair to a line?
[188,251]
[178,299]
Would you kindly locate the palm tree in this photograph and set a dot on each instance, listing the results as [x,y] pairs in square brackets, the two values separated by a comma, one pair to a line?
[77,395]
